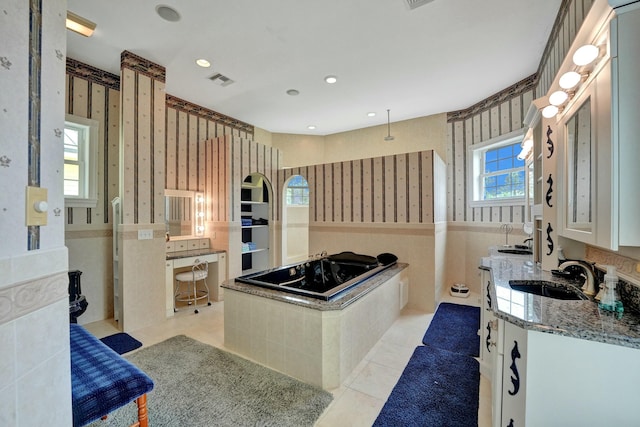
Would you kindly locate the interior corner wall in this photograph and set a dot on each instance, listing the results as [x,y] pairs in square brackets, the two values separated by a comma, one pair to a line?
[34,306]
[472,230]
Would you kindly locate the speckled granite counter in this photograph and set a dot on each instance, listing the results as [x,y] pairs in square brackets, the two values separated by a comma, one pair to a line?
[575,318]
[346,298]
[193,252]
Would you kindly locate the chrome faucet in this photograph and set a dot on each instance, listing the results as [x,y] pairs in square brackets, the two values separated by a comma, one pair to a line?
[589,287]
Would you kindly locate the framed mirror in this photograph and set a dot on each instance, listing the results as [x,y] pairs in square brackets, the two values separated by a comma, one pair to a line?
[579,174]
[179,213]
[577,168]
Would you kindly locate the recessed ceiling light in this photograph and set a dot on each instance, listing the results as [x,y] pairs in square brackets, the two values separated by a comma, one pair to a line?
[311,127]
[203,63]
[371,114]
[293,92]
[167,13]
[331,79]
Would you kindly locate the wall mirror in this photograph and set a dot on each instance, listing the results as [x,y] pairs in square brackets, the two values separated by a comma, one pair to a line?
[579,173]
[179,213]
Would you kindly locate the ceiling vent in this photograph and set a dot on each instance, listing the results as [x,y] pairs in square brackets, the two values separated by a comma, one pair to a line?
[221,80]
[417,3]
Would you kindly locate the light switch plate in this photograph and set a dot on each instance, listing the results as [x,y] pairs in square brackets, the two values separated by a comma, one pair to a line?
[145,234]
[34,217]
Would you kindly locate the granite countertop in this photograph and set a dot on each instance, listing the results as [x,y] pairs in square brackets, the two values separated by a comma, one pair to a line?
[574,318]
[193,252]
[341,301]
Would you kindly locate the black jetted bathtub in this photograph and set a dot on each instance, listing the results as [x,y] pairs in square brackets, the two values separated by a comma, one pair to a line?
[322,278]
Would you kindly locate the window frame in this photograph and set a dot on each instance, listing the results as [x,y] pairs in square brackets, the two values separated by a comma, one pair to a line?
[475,163]
[294,188]
[88,197]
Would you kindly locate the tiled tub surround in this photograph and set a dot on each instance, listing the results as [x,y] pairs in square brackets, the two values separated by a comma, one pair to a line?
[319,342]
[575,318]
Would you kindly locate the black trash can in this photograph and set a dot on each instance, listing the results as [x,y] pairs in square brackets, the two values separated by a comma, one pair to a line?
[77,302]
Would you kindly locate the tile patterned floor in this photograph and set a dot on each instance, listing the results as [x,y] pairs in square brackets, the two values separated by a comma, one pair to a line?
[360,398]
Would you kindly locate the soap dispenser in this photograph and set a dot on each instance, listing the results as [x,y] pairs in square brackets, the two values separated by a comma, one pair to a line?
[610,300]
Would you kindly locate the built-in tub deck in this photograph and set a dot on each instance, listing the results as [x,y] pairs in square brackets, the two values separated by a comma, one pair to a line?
[324,278]
[315,340]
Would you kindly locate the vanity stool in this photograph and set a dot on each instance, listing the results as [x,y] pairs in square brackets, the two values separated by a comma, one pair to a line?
[189,281]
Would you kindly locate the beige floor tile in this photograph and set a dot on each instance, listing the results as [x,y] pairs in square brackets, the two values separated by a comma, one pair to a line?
[376,380]
[352,409]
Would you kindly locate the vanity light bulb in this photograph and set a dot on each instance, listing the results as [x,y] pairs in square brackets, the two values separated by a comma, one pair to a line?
[199,199]
[585,55]
[549,111]
[200,214]
[201,228]
[558,97]
[569,80]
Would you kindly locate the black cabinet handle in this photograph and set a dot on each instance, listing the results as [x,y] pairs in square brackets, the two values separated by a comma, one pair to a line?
[488,294]
[488,340]
[550,245]
[515,378]
[549,196]
[510,423]
[550,146]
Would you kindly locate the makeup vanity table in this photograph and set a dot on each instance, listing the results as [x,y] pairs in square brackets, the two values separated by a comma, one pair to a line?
[182,254]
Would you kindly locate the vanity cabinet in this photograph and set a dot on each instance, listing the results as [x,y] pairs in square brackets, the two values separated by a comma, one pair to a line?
[488,326]
[543,379]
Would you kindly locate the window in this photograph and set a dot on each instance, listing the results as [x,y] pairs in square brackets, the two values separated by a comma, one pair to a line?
[80,146]
[297,193]
[497,175]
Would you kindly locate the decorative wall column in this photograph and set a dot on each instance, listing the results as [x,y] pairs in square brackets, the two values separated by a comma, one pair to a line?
[142,181]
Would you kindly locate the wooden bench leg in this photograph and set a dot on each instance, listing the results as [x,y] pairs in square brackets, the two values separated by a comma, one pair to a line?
[143,420]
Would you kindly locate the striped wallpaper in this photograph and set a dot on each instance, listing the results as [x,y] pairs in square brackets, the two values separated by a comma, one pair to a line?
[218,166]
[95,94]
[392,189]
[503,113]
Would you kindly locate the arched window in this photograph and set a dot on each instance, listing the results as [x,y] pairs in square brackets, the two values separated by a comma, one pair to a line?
[297,192]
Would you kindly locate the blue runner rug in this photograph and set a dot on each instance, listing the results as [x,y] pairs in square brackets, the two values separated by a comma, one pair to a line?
[455,328]
[121,342]
[437,388]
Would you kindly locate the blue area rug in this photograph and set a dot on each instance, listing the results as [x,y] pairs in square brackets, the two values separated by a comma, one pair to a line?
[121,342]
[455,328]
[437,388]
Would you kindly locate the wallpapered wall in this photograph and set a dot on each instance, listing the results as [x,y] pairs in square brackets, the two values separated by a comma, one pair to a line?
[391,189]
[95,94]
[503,113]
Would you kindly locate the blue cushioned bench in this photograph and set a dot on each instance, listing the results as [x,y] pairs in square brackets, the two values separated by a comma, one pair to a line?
[103,381]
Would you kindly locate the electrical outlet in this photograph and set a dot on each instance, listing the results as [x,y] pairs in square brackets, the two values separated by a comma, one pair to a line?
[145,234]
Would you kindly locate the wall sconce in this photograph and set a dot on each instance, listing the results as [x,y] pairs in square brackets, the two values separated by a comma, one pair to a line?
[80,25]
[199,214]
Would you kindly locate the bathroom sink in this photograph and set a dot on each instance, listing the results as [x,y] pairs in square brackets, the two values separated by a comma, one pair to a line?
[547,289]
[516,251]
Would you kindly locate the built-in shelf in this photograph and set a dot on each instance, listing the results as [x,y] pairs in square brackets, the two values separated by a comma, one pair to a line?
[255,205]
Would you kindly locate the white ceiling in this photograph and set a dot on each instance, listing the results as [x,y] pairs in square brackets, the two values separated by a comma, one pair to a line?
[443,56]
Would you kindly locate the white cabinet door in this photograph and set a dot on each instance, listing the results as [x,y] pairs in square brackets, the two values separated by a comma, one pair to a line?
[488,326]
[514,369]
